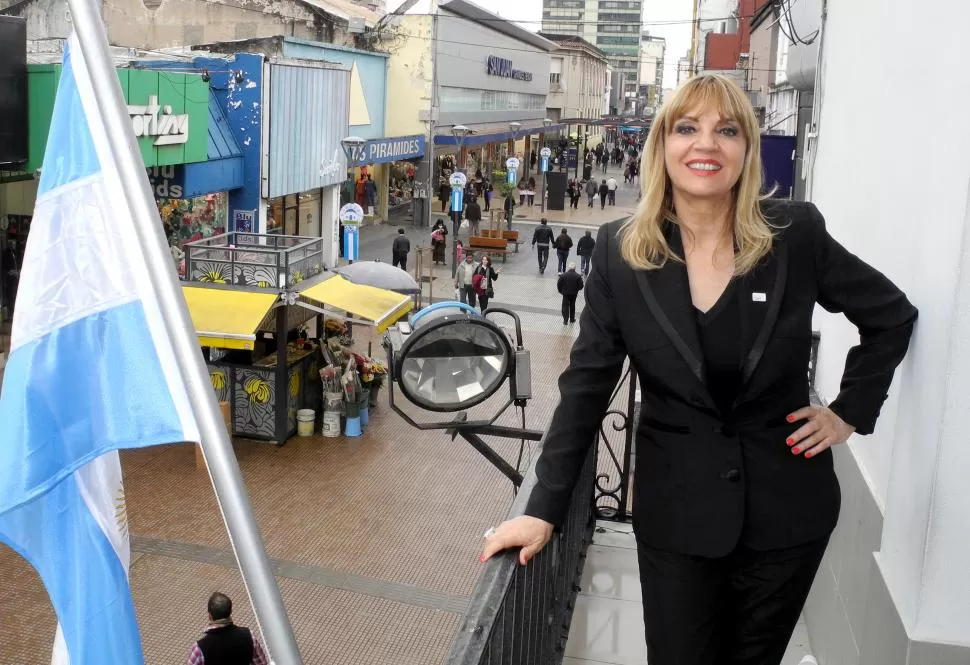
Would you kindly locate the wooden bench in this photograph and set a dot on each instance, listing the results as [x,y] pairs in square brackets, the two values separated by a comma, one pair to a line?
[512,237]
[489,245]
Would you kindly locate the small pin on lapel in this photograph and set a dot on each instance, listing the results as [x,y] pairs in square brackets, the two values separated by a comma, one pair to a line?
[759,297]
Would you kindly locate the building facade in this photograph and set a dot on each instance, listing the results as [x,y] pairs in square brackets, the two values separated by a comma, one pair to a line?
[465,66]
[771,94]
[577,80]
[613,26]
[653,51]
[157,24]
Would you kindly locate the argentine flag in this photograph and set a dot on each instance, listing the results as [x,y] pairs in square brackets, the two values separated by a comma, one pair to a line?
[91,371]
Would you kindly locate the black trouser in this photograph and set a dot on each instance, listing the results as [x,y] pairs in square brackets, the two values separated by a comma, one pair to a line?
[467,293]
[400,260]
[542,251]
[483,301]
[569,309]
[740,609]
[562,254]
[602,201]
[584,264]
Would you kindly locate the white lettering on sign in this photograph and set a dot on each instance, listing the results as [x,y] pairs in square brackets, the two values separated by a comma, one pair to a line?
[160,122]
[329,169]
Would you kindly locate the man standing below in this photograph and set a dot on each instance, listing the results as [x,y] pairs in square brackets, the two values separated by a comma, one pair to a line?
[563,244]
[569,285]
[585,248]
[542,237]
[400,249]
[473,213]
[225,643]
[611,190]
[465,280]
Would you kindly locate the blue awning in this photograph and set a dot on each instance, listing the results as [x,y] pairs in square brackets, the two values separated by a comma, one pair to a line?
[479,139]
[224,170]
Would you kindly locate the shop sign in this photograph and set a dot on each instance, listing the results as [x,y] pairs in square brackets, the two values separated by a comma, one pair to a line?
[503,67]
[330,168]
[153,120]
[166,182]
[351,213]
[382,151]
[244,221]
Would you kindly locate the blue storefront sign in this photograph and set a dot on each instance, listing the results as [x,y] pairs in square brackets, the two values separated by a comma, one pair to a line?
[382,151]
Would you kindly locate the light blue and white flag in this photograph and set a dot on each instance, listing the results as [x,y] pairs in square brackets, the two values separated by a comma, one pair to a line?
[91,371]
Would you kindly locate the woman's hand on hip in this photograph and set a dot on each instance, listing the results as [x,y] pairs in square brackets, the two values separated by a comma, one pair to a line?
[529,533]
[823,430]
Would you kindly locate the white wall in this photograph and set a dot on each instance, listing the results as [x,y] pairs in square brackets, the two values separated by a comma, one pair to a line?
[893,184]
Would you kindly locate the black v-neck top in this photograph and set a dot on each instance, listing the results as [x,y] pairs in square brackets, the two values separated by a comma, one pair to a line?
[719,330]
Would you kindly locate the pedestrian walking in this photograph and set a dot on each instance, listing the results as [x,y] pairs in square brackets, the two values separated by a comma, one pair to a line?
[531,193]
[590,191]
[611,190]
[225,643]
[604,191]
[509,210]
[563,244]
[735,491]
[575,193]
[439,235]
[570,284]
[542,238]
[400,249]
[485,274]
[473,213]
[604,161]
[444,194]
[523,188]
[584,248]
[370,192]
[487,192]
[465,280]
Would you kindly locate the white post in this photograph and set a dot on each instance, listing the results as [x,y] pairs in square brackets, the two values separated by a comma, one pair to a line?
[223,467]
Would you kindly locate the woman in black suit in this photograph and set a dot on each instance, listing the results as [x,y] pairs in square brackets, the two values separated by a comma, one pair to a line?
[709,290]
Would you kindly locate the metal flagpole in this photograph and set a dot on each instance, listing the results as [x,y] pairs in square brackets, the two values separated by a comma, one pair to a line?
[220,460]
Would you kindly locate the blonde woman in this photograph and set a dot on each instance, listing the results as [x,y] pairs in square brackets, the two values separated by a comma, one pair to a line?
[709,289]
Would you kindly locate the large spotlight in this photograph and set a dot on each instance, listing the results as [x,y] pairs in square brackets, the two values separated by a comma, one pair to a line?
[449,358]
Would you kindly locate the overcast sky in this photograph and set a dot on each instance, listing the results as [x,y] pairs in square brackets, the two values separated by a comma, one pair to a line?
[669,19]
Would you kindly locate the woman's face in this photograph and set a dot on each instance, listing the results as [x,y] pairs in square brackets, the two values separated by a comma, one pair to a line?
[704,154]
[486,261]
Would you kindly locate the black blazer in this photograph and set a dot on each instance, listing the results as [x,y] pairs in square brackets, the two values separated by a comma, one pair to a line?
[705,481]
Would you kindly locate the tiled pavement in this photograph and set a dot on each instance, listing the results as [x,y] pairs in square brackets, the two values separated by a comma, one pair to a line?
[375,541]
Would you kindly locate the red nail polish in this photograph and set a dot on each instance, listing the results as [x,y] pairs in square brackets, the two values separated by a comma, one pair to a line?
[482,559]
[794,451]
[809,454]
[790,441]
[790,418]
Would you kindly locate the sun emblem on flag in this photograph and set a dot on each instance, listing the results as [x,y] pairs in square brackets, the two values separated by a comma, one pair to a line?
[121,512]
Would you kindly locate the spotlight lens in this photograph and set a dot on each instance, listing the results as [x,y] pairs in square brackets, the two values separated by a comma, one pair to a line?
[454,366]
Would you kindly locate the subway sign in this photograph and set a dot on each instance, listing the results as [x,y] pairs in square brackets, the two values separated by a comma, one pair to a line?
[503,67]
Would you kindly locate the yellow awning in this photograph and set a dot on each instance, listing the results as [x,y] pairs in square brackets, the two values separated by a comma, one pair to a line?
[227,319]
[379,306]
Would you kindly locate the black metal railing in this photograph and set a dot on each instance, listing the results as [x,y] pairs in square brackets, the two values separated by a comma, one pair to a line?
[520,614]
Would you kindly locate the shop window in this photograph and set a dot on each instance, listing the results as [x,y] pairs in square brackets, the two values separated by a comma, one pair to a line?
[188,220]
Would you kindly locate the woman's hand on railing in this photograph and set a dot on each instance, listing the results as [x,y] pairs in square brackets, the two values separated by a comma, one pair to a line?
[529,533]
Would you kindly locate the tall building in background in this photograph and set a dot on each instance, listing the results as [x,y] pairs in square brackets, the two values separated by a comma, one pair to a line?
[613,26]
[652,52]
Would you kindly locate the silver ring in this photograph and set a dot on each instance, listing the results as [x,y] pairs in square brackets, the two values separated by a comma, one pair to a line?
[489,533]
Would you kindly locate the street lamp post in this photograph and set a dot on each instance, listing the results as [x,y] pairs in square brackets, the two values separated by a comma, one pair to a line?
[457,194]
[353,147]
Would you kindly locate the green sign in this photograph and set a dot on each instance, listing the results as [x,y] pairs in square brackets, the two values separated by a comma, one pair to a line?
[169,114]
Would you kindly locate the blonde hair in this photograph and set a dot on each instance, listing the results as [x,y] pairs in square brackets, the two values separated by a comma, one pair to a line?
[642,241]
